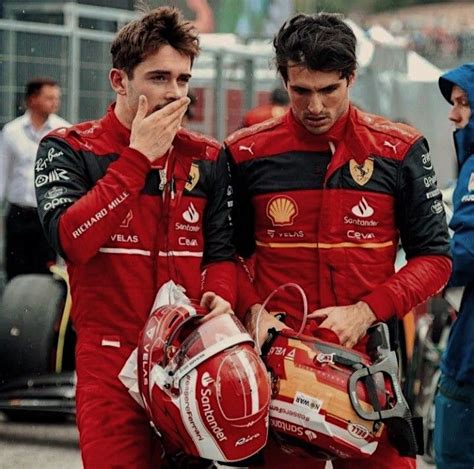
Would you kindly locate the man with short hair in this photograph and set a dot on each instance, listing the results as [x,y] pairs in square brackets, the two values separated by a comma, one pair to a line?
[139,201]
[323,195]
[454,437]
[277,106]
[26,248]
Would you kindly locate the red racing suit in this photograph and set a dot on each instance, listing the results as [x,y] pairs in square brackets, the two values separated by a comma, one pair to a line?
[126,226]
[327,211]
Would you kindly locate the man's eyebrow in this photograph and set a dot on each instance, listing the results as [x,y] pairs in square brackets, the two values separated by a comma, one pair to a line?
[167,73]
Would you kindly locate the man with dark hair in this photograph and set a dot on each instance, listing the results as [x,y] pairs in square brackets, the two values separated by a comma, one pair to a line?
[323,194]
[26,248]
[138,201]
[454,437]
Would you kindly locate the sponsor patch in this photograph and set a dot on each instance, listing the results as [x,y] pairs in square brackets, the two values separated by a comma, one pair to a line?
[183,241]
[426,161]
[309,402]
[361,173]
[193,177]
[358,431]
[282,210]
[42,163]
[392,146]
[325,357]
[191,215]
[430,181]
[53,176]
[432,194]
[56,203]
[362,209]
[352,234]
[126,221]
[55,192]
[437,207]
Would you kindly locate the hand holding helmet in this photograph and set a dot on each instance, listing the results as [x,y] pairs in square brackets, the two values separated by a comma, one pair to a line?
[205,388]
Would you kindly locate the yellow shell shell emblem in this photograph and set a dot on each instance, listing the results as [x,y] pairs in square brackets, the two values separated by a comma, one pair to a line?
[282,210]
[193,177]
[361,173]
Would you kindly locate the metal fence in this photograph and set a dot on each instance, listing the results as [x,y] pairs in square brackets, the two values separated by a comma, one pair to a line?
[229,78]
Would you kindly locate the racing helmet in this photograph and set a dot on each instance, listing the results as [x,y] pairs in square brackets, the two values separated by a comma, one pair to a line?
[205,388]
[329,401]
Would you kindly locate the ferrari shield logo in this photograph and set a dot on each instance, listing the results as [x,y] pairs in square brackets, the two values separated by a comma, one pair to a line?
[193,177]
[361,173]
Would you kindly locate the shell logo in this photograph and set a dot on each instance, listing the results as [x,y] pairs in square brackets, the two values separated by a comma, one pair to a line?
[282,210]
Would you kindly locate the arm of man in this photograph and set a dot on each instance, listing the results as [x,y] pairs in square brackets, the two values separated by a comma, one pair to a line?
[6,163]
[248,302]
[462,223]
[79,216]
[423,230]
[219,272]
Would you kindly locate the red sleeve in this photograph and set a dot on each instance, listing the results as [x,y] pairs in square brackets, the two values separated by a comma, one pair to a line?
[87,224]
[421,278]
[220,278]
[246,293]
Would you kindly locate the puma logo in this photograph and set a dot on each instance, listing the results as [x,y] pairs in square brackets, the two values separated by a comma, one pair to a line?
[393,146]
[249,149]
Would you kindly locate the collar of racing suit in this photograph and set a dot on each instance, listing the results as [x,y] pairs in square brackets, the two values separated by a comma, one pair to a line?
[343,131]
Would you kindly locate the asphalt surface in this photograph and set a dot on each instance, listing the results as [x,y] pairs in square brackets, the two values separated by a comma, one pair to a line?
[27,445]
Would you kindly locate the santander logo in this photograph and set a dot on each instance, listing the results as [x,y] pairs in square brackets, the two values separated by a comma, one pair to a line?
[362,209]
[206,379]
[191,215]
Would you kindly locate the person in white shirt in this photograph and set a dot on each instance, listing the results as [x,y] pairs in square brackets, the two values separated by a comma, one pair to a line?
[26,248]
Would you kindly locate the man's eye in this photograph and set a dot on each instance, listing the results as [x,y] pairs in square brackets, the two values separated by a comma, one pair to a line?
[159,78]
[300,90]
[329,90]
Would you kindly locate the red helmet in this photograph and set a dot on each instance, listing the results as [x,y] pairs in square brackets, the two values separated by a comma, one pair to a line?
[327,400]
[205,388]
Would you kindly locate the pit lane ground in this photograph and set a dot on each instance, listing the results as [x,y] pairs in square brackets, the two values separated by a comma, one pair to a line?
[26,445]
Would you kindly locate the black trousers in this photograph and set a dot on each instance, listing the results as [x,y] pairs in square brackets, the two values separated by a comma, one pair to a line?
[26,248]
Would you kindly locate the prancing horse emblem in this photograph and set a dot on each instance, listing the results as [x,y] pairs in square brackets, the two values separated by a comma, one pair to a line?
[361,173]
[193,177]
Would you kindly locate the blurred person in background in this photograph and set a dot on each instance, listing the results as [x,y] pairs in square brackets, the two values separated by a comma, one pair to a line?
[277,106]
[26,248]
[324,193]
[454,434]
[140,201]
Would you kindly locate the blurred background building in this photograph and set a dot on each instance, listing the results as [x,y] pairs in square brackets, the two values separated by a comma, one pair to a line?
[401,49]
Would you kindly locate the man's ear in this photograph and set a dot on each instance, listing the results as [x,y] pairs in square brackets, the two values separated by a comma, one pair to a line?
[118,81]
[351,79]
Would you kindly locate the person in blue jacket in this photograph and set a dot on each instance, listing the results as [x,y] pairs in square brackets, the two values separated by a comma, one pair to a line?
[454,430]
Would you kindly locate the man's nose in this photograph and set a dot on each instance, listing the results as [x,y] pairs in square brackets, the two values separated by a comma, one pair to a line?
[454,115]
[172,91]
[315,105]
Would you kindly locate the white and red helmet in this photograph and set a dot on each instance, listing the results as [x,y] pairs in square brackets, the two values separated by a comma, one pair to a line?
[329,401]
[204,386]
